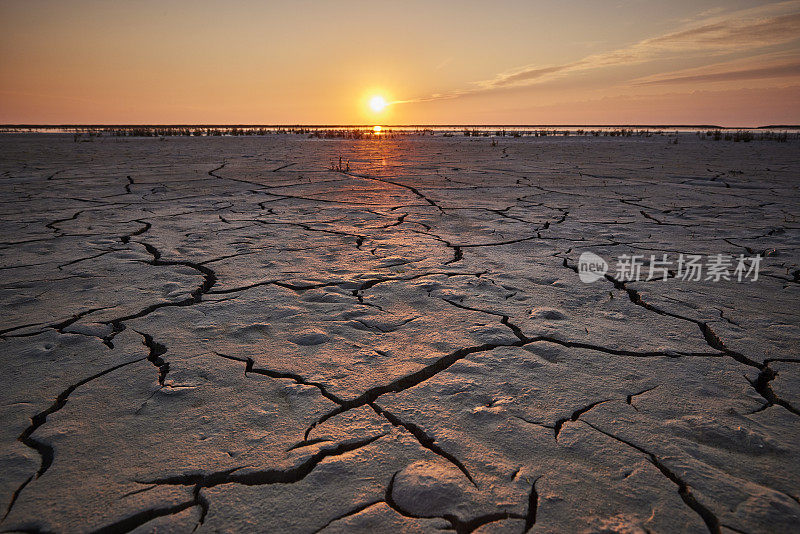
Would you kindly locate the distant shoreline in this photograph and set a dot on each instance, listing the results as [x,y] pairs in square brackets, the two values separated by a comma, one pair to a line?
[322,126]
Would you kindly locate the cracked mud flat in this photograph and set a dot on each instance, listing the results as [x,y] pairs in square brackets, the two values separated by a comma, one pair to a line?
[221,334]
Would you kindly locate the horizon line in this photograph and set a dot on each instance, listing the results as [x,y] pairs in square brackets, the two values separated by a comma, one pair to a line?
[371,125]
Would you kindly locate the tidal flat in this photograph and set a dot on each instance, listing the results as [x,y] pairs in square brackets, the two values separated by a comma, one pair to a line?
[284,334]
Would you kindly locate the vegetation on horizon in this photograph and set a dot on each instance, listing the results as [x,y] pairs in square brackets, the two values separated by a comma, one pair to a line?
[89,134]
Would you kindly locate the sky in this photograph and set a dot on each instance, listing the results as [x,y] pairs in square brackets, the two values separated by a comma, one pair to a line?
[725,62]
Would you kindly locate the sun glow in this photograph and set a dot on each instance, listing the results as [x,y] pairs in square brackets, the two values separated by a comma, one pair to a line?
[377,103]
[377,129]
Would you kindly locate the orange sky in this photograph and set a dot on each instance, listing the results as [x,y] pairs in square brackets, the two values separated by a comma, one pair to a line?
[468,62]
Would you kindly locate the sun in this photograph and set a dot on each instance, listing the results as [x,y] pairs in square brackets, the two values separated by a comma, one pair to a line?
[377,103]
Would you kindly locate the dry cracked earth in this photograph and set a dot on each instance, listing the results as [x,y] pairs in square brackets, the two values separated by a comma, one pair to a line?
[223,334]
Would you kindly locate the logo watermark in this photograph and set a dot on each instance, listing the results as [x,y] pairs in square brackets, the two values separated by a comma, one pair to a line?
[591,267]
[689,267]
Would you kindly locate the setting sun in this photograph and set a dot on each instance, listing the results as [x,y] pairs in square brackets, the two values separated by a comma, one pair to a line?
[377,103]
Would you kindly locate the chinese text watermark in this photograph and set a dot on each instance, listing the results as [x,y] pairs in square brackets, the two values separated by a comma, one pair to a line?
[688,267]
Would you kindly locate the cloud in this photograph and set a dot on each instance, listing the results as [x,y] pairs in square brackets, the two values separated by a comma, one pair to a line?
[528,74]
[756,73]
[745,30]
[729,35]
[444,63]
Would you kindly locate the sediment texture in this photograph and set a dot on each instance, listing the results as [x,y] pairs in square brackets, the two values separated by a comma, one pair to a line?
[223,334]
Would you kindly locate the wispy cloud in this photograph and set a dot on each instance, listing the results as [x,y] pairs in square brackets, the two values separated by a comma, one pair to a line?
[729,34]
[782,71]
[444,63]
[747,30]
[724,36]
[767,66]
